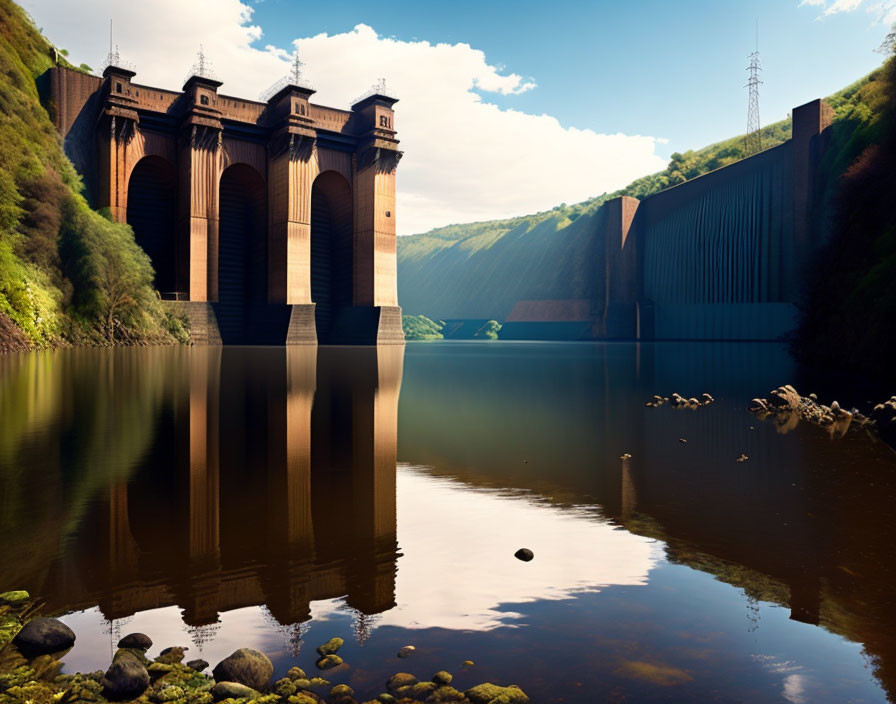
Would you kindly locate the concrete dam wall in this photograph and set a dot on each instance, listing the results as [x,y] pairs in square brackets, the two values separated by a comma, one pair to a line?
[720,257]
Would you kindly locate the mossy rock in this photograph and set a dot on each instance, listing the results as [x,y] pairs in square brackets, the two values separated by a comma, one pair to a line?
[489,693]
[421,690]
[285,687]
[330,647]
[400,680]
[169,694]
[386,698]
[304,698]
[341,693]
[446,694]
[328,662]
[442,678]
[296,673]
[17,599]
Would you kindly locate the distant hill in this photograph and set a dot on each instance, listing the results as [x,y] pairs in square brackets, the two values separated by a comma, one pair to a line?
[480,270]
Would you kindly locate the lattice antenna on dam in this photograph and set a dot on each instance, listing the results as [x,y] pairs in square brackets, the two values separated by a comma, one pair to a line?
[753,139]
[267,221]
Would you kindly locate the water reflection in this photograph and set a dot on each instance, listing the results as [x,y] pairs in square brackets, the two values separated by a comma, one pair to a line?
[270,482]
[264,498]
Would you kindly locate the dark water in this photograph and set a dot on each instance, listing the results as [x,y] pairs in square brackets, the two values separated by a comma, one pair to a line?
[273,498]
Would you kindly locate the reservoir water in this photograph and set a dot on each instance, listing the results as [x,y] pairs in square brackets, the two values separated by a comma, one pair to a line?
[272,498]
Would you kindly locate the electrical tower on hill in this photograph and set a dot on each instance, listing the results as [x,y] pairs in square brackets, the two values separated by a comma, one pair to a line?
[753,139]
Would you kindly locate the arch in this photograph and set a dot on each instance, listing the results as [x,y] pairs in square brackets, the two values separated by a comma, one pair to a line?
[331,250]
[242,251]
[151,212]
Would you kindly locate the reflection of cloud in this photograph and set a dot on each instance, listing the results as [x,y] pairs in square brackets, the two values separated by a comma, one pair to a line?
[458,565]
[794,684]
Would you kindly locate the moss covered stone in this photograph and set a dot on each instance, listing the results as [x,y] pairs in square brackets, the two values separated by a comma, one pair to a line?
[330,647]
[16,599]
[489,693]
[328,662]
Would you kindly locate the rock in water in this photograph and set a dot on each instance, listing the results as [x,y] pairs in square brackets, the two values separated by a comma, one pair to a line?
[487,693]
[43,636]
[524,554]
[245,666]
[442,678]
[330,647]
[406,651]
[232,690]
[329,661]
[341,693]
[198,665]
[126,678]
[140,641]
[399,680]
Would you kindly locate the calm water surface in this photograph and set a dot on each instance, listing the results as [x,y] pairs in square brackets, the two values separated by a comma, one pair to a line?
[272,498]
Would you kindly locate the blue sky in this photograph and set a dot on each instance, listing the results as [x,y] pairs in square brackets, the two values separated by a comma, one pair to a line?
[506,108]
[675,70]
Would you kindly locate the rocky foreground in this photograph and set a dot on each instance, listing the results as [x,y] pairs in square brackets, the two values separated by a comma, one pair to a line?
[32,648]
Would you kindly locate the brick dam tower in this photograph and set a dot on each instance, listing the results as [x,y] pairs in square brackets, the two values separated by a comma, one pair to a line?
[266,222]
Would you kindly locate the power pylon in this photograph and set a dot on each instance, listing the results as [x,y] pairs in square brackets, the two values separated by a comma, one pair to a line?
[753,139]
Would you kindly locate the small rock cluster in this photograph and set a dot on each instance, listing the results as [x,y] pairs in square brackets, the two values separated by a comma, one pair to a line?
[31,648]
[788,407]
[676,400]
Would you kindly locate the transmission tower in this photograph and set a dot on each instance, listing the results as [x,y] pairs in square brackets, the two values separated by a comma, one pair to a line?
[753,140]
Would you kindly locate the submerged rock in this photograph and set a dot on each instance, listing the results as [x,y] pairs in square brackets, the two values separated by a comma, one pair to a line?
[330,647]
[140,641]
[42,636]
[524,554]
[245,666]
[399,680]
[488,693]
[126,677]
[328,662]
[232,690]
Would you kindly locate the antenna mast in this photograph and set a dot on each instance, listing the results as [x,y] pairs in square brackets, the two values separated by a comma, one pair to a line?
[753,139]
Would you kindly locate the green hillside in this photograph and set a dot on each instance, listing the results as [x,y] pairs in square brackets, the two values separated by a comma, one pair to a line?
[480,270]
[67,273]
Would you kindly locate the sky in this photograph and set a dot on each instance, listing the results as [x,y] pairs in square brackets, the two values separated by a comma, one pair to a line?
[505,107]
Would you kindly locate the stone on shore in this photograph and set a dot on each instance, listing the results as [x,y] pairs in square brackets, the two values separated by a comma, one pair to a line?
[139,641]
[232,690]
[330,647]
[126,678]
[42,636]
[172,655]
[524,554]
[487,693]
[198,665]
[245,666]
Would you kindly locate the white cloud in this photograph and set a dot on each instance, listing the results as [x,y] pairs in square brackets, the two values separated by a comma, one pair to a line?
[465,158]
[881,10]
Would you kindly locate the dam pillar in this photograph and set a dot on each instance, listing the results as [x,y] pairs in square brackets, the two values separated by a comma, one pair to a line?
[374,317]
[809,121]
[117,124]
[199,147]
[620,316]
[289,238]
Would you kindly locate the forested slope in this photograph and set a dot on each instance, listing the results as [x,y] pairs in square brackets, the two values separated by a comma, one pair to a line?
[67,273]
[480,270]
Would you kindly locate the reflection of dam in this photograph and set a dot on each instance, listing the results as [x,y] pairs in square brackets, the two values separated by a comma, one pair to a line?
[276,487]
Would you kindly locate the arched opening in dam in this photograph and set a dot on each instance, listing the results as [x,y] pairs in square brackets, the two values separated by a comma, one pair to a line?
[242,251]
[331,250]
[152,192]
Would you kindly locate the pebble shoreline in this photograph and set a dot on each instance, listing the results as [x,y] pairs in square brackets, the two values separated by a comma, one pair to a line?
[32,648]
